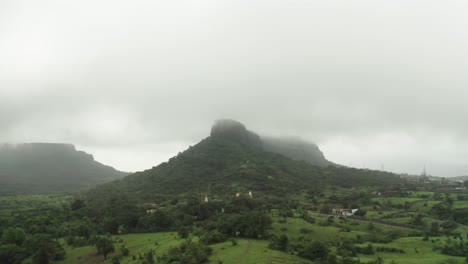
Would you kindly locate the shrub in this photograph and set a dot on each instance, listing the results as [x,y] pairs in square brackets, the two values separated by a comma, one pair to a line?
[305,230]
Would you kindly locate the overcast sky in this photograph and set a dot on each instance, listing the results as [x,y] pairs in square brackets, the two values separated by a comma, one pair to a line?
[134,82]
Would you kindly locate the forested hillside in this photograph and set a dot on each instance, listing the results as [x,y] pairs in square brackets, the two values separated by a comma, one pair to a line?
[45,168]
[226,163]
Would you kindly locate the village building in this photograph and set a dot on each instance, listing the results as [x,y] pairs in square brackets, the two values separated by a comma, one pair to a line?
[344,212]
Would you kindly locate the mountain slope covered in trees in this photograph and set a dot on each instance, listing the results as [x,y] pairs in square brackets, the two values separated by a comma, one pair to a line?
[233,159]
[45,167]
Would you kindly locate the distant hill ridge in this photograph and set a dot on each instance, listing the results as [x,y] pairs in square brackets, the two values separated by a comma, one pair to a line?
[32,168]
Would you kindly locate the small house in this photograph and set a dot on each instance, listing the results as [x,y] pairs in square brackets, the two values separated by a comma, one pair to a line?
[344,212]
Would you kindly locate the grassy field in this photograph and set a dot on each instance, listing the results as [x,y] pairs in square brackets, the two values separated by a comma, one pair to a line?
[460,204]
[292,228]
[395,200]
[251,251]
[138,244]
[246,251]
[416,250]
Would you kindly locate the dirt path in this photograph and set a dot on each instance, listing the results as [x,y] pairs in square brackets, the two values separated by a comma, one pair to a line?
[245,252]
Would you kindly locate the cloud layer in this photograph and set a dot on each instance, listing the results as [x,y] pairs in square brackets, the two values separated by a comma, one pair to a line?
[372,82]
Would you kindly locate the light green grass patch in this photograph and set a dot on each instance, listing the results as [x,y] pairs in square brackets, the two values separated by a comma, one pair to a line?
[416,251]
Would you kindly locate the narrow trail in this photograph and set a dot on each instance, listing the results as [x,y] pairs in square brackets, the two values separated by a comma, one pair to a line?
[245,252]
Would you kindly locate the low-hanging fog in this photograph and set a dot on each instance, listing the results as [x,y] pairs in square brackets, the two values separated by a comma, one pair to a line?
[135,82]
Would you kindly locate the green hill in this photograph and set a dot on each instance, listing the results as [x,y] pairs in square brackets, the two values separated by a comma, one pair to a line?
[233,159]
[35,168]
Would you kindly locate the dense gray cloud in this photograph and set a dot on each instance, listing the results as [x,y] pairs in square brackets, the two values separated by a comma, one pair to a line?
[134,82]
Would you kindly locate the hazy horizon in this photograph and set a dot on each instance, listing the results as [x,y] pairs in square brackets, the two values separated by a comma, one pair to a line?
[134,83]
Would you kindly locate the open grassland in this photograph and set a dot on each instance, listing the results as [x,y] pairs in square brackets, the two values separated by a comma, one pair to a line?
[421,194]
[138,244]
[292,228]
[416,251]
[460,204]
[395,200]
[377,214]
[250,252]
[246,251]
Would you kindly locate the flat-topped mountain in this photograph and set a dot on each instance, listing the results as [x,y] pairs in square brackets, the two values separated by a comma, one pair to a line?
[50,167]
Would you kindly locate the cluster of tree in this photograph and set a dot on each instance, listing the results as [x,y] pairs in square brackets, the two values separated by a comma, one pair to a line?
[319,252]
[455,246]
[187,252]
[15,246]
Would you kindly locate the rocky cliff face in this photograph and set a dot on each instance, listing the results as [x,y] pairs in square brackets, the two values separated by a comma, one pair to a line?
[49,167]
[292,148]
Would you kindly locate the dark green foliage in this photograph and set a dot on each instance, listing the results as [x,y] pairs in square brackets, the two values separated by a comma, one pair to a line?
[48,250]
[389,249]
[309,218]
[11,253]
[253,224]
[442,210]
[13,236]
[454,247]
[326,209]
[125,251]
[212,237]
[183,231]
[234,241]
[104,246]
[77,204]
[368,250]
[149,257]
[417,220]
[188,252]
[310,249]
[279,243]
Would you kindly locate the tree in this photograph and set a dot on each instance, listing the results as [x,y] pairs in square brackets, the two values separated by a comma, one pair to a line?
[13,236]
[280,243]
[325,209]
[77,204]
[104,246]
[183,232]
[11,253]
[187,252]
[45,253]
[311,249]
